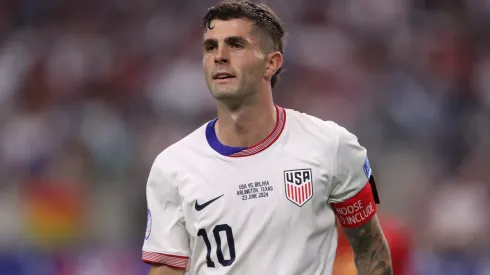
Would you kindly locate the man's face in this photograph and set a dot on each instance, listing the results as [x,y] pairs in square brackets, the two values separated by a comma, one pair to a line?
[233,62]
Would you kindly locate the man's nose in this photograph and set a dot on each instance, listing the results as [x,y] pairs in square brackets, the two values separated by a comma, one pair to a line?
[221,56]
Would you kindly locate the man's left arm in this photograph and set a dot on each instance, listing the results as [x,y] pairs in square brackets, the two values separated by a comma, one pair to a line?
[354,200]
[371,251]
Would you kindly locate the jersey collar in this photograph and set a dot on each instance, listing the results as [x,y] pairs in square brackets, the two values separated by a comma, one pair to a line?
[246,151]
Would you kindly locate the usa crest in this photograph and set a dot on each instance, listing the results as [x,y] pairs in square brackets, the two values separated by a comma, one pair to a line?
[298,185]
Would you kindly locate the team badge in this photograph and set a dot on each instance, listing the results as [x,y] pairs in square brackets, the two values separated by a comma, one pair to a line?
[367,168]
[148,225]
[298,185]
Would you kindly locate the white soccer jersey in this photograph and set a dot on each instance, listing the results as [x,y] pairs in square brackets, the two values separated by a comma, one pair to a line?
[266,209]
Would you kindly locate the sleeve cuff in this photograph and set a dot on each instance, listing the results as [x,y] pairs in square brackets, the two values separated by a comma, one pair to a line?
[179,262]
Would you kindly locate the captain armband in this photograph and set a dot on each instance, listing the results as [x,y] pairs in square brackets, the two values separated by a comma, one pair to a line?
[359,209]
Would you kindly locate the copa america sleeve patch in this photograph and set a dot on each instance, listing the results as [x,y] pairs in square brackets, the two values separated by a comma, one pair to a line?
[367,168]
[357,210]
[148,225]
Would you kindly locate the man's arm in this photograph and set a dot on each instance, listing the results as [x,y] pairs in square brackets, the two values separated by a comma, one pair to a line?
[165,270]
[166,243]
[371,251]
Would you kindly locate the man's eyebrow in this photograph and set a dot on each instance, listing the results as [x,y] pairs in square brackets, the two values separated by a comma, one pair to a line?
[230,40]
[210,41]
[236,39]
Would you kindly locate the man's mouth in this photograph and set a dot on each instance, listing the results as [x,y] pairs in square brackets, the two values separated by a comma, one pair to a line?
[220,76]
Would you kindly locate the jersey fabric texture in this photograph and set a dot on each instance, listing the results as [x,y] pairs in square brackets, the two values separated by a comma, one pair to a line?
[266,209]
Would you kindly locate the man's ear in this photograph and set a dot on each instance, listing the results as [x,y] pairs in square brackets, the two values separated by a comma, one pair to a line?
[274,62]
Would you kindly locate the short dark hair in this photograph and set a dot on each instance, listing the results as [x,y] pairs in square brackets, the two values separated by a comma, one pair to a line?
[261,17]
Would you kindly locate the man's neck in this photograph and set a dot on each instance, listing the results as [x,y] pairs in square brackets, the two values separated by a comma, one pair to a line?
[247,125]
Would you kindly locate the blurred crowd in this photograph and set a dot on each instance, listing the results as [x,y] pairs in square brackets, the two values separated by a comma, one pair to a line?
[92,90]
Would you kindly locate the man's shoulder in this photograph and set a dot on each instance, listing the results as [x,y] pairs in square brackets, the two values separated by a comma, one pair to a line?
[312,123]
[184,146]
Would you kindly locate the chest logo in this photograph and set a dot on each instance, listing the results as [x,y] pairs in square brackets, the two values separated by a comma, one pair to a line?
[200,207]
[298,185]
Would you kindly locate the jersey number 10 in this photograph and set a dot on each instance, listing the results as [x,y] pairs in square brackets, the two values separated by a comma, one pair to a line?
[219,253]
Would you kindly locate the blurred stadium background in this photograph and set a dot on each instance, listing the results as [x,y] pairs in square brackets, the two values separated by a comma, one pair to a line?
[92,90]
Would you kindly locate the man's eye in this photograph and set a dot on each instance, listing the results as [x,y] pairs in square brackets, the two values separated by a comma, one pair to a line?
[209,48]
[237,46]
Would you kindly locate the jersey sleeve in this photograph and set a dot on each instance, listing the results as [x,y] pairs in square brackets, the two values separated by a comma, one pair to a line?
[353,193]
[166,240]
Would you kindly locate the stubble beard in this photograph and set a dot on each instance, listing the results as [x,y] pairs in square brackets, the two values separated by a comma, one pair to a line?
[235,98]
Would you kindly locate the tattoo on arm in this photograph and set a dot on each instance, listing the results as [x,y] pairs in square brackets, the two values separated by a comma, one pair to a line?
[371,251]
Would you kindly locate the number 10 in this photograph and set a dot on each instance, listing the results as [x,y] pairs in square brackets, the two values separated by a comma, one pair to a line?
[231,244]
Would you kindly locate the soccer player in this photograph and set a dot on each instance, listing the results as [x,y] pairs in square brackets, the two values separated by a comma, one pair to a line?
[259,189]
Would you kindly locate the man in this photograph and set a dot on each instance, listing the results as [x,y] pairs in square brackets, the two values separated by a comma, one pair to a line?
[258,190]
